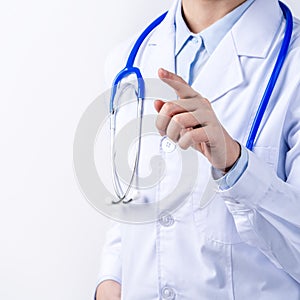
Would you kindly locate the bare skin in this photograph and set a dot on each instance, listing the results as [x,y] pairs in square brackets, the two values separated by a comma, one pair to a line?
[109,290]
[191,122]
[189,128]
[199,14]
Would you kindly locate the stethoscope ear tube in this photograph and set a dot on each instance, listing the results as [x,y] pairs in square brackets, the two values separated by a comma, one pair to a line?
[140,40]
[274,76]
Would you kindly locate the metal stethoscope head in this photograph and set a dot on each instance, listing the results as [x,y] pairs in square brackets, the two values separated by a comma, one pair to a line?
[121,192]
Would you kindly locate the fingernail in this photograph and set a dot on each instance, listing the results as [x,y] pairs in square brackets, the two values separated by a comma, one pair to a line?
[163,72]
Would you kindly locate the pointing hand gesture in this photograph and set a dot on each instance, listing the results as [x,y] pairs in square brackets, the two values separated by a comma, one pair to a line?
[191,122]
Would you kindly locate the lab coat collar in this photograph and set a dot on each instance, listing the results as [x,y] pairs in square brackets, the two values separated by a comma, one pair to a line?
[223,71]
[261,21]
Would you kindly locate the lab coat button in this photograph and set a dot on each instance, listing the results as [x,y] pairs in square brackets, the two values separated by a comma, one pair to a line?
[168,293]
[166,220]
[167,145]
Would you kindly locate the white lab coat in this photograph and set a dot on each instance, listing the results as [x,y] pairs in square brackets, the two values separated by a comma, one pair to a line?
[245,242]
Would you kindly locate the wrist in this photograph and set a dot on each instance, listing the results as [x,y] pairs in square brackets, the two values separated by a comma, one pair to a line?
[234,156]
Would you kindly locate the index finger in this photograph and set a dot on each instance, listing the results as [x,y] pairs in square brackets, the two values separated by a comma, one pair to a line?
[181,87]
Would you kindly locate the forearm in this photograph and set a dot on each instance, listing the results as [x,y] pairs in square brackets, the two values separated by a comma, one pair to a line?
[108,290]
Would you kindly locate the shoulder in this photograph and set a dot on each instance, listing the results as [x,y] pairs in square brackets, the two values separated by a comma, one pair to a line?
[295,42]
[293,56]
[116,60]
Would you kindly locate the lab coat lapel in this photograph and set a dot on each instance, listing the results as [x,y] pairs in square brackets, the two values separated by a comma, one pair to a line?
[251,36]
[221,73]
[255,32]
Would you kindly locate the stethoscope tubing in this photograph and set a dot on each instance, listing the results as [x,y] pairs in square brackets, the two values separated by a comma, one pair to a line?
[273,78]
[131,69]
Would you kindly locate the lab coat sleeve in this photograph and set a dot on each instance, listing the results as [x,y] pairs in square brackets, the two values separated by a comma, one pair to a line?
[111,256]
[111,264]
[266,209]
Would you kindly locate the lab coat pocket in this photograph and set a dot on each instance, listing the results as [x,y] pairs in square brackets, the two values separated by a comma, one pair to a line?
[267,154]
[215,222]
[211,214]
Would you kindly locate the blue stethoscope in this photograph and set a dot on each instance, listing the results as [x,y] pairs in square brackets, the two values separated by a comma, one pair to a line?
[131,69]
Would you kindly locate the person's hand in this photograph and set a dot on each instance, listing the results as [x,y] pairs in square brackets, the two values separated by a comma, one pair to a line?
[191,121]
[108,290]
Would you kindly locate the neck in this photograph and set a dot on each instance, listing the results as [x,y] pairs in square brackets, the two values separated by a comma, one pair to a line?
[200,14]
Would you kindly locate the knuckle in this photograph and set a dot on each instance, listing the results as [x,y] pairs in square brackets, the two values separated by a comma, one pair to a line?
[168,108]
[196,136]
[178,119]
[197,117]
[159,124]
[193,136]
[181,79]
[189,135]
[206,102]
[183,145]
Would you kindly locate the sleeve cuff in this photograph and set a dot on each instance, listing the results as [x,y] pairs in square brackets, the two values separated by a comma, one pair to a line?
[109,277]
[229,179]
[252,185]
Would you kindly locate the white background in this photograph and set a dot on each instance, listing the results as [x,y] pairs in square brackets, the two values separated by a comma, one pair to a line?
[52,55]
